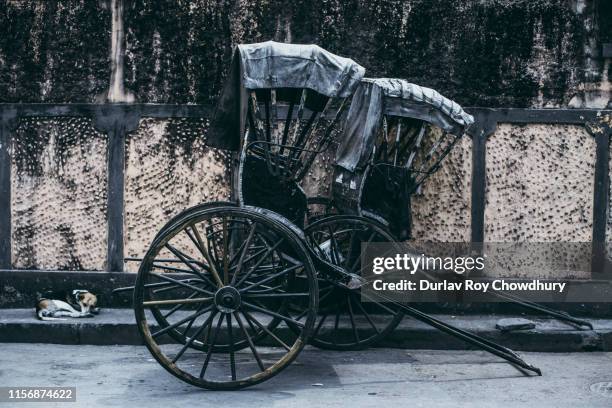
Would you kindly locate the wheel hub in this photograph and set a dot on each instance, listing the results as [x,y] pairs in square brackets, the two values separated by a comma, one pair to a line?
[227,299]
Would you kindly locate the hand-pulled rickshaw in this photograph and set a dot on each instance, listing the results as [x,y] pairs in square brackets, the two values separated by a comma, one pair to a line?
[229,293]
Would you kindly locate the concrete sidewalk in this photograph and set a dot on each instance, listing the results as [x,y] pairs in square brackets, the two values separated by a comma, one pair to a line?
[122,376]
[117,326]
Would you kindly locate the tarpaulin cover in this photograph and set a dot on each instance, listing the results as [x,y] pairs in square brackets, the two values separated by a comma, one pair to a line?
[277,65]
[388,96]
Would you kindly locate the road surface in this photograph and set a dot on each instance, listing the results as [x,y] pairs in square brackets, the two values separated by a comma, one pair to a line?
[118,376]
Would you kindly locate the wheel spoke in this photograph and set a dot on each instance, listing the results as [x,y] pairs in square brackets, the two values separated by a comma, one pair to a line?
[183,257]
[176,301]
[367,316]
[319,325]
[186,260]
[271,277]
[350,248]
[259,262]
[180,322]
[250,319]
[231,346]
[152,285]
[273,314]
[253,328]
[179,306]
[329,289]
[207,323]
[380,305]
[238,252]
[329,292]
[243,253]
[192,322]
[181,270]
[352,316]
[172,260]
[333,247]
[168,286]
[213,253]
[172,268]
[250,258]
[199,243]
[208,333]
[159,284]
[267,289]
[358,260]
[274,295]
[181,283]
[211,346]
[250,341]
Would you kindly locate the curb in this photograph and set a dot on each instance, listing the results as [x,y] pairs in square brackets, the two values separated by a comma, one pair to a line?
[117,326]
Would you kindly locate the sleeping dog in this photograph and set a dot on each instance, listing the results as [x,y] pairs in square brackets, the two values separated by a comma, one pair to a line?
[52,309]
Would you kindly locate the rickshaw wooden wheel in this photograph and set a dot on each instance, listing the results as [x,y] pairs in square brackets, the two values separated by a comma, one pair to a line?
[159,314]
[351,323]
[233,273]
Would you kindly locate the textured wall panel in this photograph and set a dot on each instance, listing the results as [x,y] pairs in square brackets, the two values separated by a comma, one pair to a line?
[168,170]
[540,188]
[58,195]
[441,209]
[548,260]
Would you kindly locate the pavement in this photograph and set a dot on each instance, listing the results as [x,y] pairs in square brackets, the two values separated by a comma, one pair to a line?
[117,326]
[120,376]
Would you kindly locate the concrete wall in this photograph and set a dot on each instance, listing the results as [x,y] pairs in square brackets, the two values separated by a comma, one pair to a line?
[496,53]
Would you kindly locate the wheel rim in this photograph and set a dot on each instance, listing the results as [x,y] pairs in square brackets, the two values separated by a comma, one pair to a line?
[344,321]
[225,315]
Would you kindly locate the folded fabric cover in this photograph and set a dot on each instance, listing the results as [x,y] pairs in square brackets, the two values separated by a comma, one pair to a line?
[277,65]
[388,96]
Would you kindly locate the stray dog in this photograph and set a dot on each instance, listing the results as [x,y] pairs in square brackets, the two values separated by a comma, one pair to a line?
[52,309]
